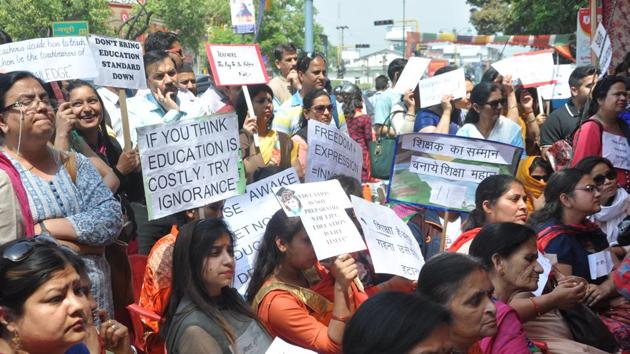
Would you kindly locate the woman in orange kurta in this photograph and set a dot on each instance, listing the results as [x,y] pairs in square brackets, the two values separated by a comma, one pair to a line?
[280,293]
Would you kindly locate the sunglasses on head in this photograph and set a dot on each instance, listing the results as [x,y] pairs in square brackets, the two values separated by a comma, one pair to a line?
[18,251]
[601,179]
[496,103]
[322,108]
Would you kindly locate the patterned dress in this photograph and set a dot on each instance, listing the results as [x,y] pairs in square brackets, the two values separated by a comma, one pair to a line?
[360,130]
[91,209]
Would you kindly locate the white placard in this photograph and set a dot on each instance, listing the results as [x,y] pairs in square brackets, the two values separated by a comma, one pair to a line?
[600,264]
[451,170]
[247,215]
[50,59]
[393,248]
[616,149]
[119,62]
[561,89]
[434,88]
[331,152]
[236,64]
[462,148]
[544,276]
[278,346]
[532,68]
[321,206]
[189,164]
[411,74]
[602,48]
[447,195]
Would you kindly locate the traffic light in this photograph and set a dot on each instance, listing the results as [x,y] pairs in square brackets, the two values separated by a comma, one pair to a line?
[383,22]
[362,45]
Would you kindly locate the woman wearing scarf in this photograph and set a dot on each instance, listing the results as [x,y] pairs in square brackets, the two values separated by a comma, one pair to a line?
[533,172]
[15,215]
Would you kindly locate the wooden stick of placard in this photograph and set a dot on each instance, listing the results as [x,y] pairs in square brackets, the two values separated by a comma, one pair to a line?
[250,110]
[443,238]
[122,101]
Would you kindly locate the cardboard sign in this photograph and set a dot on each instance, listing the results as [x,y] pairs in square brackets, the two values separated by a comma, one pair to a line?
[235,64]
[443,171]
[600,264]
[561,89]
[119,62]
[50,59]
[434,88]
[278,346]
[321,206]
[616,149]
[331,152]
[393,248]
[189,164]
[533,69]
[411,74]
[243,16]
[602,48]
[247,215]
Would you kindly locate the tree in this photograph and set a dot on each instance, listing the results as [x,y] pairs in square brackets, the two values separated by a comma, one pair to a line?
[491,17]
[33,19]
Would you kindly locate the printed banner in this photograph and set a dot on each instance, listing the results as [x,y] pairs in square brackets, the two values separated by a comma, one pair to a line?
[50,59]
[392,247]
[189,164]
[243,16]
[247,215]
[321,206]
[450,83]
[443,171]
[119,62]
[331,152]
[236,64]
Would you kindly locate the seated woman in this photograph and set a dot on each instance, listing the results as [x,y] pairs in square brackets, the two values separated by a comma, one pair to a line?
[42,301]
[533,172]
[498,198]
[461,284]
[205,314]
[279,289]
[413,325]
[67,196]
[615,204]
[274,148]
[565,231]
[514,269]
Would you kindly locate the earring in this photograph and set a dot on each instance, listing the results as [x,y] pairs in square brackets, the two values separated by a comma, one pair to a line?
[16,341]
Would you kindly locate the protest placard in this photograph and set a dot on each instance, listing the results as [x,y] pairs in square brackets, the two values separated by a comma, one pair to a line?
[451,83]
[561,89]
[616,149]
[236,64]
[392,247]
[278,346]
[247,215]
[443,171]
[50,59]
[119,62]
[602,48]
[411,74]
[243,16]
[331,152]
[321,206]
[533,69]
[189,164]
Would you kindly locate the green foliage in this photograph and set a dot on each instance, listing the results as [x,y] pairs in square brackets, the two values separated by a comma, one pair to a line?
[491,17]
[33,19]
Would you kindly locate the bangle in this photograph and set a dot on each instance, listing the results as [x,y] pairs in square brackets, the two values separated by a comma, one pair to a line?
[536,308]
[512,107]
[529,121]
[340,319]
[410,115]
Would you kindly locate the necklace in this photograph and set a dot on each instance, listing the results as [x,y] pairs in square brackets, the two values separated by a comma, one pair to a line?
[25,163]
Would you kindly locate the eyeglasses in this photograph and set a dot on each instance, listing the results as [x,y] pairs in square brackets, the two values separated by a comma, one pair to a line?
[541,178]
[29,103]
[497,103]
[18,251]
[601,179]
[588,188]
[178,52]
[322,108]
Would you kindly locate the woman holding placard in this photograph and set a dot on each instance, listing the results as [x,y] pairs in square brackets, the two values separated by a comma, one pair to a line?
[605,134]
[261,145]
[279,288]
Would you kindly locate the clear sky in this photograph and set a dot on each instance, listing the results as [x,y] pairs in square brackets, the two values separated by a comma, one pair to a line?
[359,15]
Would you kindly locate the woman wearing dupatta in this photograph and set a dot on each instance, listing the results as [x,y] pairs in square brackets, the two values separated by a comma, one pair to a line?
[16,220]
[533,172]
[260,145]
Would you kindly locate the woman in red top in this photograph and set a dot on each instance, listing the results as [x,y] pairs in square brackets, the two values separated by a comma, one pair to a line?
[605,134]
[359,124]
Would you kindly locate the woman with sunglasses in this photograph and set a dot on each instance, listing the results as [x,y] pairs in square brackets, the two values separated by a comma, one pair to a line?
[42,300]
[605,134]
[484,119]
[316,106]
[533,172]
[273,148]
[615,204]
[67,196]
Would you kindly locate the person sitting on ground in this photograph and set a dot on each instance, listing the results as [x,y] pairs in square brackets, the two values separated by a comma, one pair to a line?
[533,172]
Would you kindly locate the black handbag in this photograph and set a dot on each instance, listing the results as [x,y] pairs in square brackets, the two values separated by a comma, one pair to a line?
[382,151]
[587,328]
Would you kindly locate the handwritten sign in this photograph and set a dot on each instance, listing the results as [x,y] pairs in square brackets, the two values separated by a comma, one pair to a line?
[278,346]
[247,215]
[189,164]
[561,89]
[119,62]
[616,149]
[331,152]
[602,48]
[234,64]
[393,248]
[600,264]
[450,83]
[532,68]
[443,171]
[411,74]
[50,59]
[321,206]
